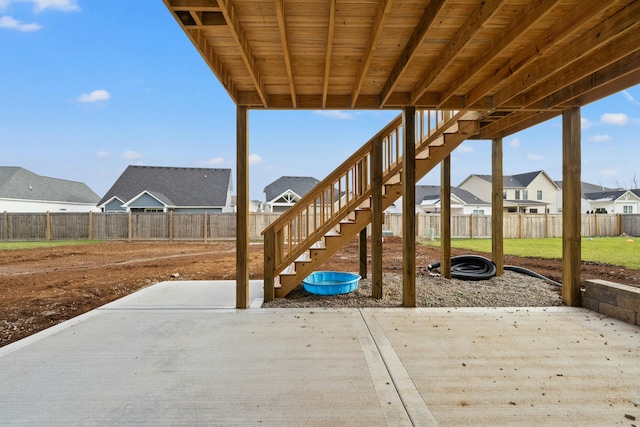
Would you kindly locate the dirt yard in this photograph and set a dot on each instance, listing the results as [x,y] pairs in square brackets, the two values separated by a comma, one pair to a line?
[42,287]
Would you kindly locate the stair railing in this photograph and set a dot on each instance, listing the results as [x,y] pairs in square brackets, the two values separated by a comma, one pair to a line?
[340,193]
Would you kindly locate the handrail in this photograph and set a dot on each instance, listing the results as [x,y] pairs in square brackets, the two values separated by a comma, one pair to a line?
[344,189]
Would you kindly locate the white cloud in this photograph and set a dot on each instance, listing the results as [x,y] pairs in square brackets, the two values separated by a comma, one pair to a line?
[95,96]
[335,114]
[216,161]
[515,143]
[584,123]
[13,24]
[42,5]
[600,138]
[608,172]
[535,157]
[465,149]
[255,159]
[102,154]
[619,119]
[130,155]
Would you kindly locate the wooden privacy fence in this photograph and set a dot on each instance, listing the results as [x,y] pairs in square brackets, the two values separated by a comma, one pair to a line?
[517,226]
[128,226]
[217,226]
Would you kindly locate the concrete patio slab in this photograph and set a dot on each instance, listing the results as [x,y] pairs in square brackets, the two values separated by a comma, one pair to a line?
[173,354]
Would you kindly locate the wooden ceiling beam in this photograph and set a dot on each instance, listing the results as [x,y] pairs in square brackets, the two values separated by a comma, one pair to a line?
[194,5]
[384,10]
[609,86]
[200,42]
[282,26]
[602,45]
[515,122]
[535,12]
[559,31]
[474,22]
[233,22]
[426,21]
[329,52]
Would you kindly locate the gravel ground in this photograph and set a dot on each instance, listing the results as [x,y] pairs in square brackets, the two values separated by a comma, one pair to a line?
[510,290]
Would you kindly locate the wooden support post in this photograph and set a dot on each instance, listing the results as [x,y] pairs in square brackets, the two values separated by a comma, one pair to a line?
[269,264]
[376,219]
[571,169]
[409,208]
[445,217]
[242,205]
[363,253]
[497,206]
[90,233]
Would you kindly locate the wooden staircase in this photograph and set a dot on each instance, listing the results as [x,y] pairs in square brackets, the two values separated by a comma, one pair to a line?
[339,207]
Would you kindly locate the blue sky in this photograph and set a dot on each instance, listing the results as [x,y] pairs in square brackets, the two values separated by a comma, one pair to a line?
[89,87]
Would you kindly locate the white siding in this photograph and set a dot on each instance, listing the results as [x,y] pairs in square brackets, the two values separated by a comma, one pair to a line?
[37,206]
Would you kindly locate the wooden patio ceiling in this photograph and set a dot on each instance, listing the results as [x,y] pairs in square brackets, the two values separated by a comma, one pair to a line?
[521,61]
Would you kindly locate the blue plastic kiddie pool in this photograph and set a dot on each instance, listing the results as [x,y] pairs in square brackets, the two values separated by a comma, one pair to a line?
[331,282]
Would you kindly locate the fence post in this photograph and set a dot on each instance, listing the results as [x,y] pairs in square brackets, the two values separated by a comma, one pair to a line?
[90,233]
[170,226]
[519,225]
[47,231]
[205,226]
[6,225]
[471,225]
[129,226]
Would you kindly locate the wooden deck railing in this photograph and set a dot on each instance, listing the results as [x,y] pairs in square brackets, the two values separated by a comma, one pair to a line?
[344,190]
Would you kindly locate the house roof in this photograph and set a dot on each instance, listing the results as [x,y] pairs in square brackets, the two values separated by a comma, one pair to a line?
[492,56]
[521,180]
[432,192]
[609,196]
[185,187]
[19,183]
[300,185]
[587,188]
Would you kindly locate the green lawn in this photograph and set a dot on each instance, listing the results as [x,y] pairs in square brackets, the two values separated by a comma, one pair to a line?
[608,250]
[8,246]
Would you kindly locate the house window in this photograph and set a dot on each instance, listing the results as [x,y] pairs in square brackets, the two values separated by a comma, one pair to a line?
[539,194]
[511,210]
[517,194]
[478,211]
[153,210]
[525,194]
[627,209]
[504,194]
[533,210]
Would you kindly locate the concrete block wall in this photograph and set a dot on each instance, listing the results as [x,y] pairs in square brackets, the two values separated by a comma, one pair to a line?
[621,302]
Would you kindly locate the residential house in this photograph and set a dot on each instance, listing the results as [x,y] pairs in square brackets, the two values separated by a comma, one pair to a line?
[428,201]
[285,191]
[614,201]
[588,191]
[164,189]
[531,192]
[23,191]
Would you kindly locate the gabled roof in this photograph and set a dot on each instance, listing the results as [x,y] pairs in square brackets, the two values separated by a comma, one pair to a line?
[184,187]
[300,185]
[522,180]
[432,192]
[587,188]
[19,183]
[609,196]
